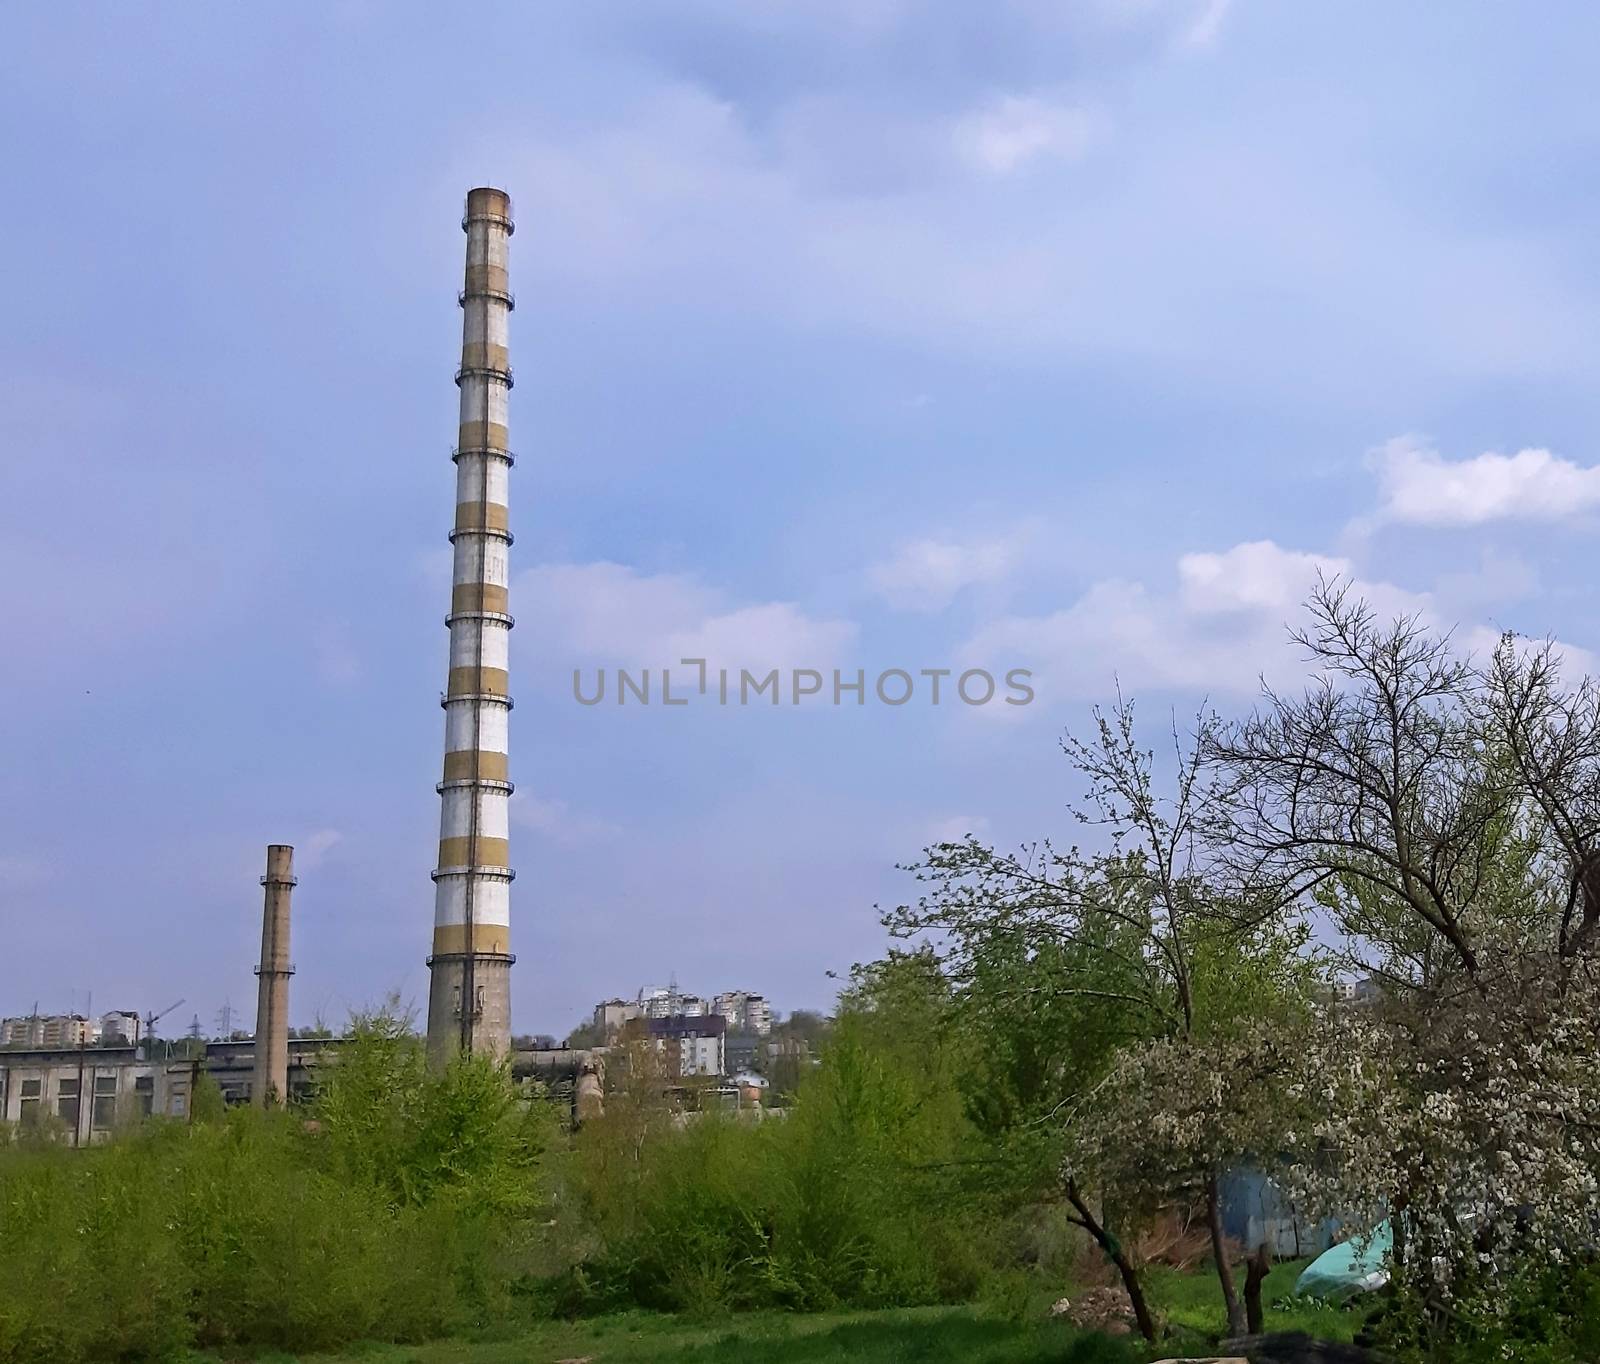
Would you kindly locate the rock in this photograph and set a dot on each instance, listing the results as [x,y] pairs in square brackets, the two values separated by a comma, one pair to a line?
[1207,1359]
[1098,1309]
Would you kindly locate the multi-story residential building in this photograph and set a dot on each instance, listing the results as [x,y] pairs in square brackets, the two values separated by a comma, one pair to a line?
[745,1012]
[742,1011]
[690,1044]
[611,1014]
[659,1003]
[120,1023]
[47,1030]
[743,1051]
[670,1002]
[70,1030]
[1359,994]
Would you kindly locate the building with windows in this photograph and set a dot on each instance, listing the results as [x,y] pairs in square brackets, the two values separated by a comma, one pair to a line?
[670,1002]
[611,1014]
[92,1091]
[745,1012]
[742,1010]
[48,1030]
[689,1044]
[70,1030]
[120,1024]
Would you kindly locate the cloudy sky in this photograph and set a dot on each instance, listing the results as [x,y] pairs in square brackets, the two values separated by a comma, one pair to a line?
[850,334]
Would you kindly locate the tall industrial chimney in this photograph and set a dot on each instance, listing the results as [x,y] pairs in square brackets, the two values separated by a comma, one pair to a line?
[272,1000]
[469,996]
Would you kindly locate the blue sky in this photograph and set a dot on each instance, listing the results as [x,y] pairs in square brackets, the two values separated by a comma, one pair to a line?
[870,334]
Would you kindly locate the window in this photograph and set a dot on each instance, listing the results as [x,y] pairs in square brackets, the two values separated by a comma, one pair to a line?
[104,1112]
[67,1101]
[30,1089]
[144,1094]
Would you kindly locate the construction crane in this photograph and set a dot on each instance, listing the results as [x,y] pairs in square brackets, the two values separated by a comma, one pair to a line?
[150,1021]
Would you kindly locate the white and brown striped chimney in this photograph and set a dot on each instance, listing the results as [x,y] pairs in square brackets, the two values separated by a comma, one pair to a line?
[469,998]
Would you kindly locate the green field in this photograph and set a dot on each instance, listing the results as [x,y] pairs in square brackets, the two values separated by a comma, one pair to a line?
[938,1335]
[1192,1304]
[933,1335]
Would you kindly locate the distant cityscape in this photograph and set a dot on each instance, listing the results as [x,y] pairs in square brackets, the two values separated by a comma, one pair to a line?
[725,1036]
[121,1027]
[89,1071]
[742,1010]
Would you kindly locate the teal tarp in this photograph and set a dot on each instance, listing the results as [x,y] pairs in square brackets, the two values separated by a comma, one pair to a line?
[1354,1266]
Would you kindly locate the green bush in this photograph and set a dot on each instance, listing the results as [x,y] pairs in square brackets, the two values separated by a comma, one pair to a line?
[1535,1312]
[398,1214]
[855,1198]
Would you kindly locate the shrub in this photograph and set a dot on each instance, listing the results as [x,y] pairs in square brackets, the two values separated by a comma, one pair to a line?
[400,1215]
[855,1198]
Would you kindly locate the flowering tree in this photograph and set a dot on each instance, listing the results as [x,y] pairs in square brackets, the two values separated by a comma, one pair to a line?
[1130,944]
[1443,817]
[1437,821]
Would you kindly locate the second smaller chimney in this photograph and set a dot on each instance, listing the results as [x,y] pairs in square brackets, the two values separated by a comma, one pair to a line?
[272,1000]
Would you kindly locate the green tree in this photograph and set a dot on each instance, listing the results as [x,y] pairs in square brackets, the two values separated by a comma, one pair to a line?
[1443,815]
[1063,960]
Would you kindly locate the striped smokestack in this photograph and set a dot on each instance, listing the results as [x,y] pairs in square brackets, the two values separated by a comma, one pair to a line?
[469,997]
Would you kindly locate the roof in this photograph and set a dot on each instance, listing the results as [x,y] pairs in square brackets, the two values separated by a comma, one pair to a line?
[685,1025]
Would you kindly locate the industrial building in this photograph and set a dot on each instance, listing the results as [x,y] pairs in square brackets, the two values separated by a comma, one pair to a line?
[93,1091]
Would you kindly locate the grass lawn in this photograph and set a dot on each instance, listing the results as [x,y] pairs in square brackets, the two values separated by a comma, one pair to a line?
[1190,1303]
[936,1335]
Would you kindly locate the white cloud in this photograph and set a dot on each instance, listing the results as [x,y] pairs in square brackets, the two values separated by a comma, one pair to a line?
[1576,662]
[926,574]
[1008,133]
[1225,625]
[1254,576]
[612,614]
[1419,486]
[1190,250]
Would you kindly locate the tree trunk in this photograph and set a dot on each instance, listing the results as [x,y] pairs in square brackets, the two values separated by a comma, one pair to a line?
[1397,1228]
[1115,1253]
[1255,1274]
[1219,1252]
